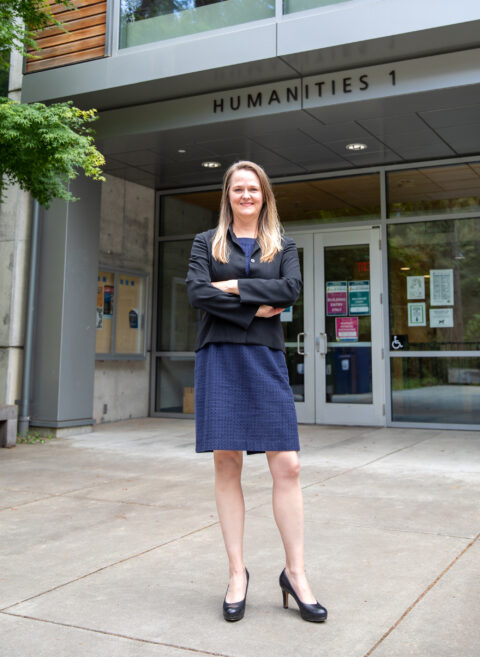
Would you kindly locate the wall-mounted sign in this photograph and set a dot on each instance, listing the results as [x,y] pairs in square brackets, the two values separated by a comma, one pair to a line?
[415,287]
[416,314]
[397,79]
[441,287]
[336,296]
[441,317]
[359,297]
[346,329]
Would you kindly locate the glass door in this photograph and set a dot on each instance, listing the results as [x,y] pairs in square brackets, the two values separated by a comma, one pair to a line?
[298,329]
[348,328]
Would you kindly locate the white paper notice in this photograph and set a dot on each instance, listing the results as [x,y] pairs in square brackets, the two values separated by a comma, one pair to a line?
[415,287]
[441,287]
[416,314]
[441,317]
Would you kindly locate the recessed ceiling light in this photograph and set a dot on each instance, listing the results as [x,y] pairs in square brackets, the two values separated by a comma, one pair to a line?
[404,268]
[181,151]
[356,146]
[211,164]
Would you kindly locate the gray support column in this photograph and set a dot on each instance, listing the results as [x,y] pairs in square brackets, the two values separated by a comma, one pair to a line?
[64,343]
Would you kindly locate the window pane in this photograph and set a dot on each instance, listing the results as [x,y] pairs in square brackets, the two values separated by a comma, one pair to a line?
[174,384]
[434,275]
[289,6]
[144,21]
[435,190]
[189,214]
[329,200]
[105,310]
[130,324]
[177,320]
[445,390]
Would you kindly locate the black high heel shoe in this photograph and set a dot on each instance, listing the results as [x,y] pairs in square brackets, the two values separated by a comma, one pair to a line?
[309,612]
[235,611]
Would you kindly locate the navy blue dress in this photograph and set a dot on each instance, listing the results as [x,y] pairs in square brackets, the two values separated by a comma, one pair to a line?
[243,399]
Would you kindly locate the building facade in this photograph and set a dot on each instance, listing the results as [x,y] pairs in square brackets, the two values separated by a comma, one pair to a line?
[366,116]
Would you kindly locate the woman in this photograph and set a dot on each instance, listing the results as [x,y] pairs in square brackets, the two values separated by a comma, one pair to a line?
[243,274]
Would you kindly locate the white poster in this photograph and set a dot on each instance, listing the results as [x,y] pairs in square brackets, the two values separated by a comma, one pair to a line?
[441,317]
[416,314]
[415,287]
[441,287]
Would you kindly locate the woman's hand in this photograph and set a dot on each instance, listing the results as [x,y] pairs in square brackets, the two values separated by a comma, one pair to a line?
[268,311]
[231,287]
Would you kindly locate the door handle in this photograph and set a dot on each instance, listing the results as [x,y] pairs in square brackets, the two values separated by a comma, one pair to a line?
[321,344]
[299,352]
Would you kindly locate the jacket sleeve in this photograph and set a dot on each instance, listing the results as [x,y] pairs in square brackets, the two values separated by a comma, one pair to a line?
[202,294]
[279,292]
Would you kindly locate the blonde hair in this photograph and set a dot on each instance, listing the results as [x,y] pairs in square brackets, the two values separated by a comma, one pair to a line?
[269,229]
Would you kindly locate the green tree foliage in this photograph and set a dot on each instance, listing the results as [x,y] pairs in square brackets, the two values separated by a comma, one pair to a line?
[42,147]
[20,19]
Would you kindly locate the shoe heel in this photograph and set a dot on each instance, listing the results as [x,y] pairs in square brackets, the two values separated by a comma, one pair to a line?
[285,599]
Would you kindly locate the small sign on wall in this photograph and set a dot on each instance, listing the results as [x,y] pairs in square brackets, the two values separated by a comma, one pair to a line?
[441,317]
[416,314]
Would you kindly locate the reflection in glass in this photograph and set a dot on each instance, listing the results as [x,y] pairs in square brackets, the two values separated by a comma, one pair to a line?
[452,246]
[292,326]
[129,328]
[329,200]
[348,362]
[177,320]
[189,214]
[174,384]
[145,21]
[290,6]
[444,390]
[434,190]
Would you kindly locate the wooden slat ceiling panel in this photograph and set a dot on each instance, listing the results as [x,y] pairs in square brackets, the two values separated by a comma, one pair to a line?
[72,58]
[83,39]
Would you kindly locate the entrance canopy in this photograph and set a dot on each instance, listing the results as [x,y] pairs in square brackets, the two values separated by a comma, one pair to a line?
[418,109]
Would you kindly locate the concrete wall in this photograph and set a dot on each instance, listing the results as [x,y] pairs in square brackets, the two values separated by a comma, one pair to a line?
[15,219]
[126,241]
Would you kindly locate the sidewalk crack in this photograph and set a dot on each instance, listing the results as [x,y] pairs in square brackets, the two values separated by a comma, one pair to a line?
[422,595]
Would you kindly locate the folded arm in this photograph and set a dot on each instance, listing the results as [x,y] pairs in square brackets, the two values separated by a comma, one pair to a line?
[277,292]
[204,295]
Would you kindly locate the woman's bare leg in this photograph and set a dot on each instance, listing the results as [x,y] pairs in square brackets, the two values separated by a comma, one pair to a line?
[231,513]
[288,512]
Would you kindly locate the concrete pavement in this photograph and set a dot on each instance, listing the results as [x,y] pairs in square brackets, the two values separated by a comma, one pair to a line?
[110,546]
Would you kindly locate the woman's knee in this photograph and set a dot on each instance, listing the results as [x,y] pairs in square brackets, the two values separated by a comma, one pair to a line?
[227,461]
[285,466]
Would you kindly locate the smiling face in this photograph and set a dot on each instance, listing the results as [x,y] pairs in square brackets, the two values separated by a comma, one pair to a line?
[245,195]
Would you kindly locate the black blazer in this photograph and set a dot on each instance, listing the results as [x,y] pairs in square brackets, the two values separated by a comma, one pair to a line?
[231,317]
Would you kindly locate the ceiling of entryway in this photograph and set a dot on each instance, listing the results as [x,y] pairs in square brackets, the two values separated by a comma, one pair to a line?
[424,126]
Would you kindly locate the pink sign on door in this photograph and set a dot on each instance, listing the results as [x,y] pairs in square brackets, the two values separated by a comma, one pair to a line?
[346,329]
[336,293]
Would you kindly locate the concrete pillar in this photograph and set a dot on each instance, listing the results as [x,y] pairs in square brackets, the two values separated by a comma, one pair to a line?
[15,220]
[64,342]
